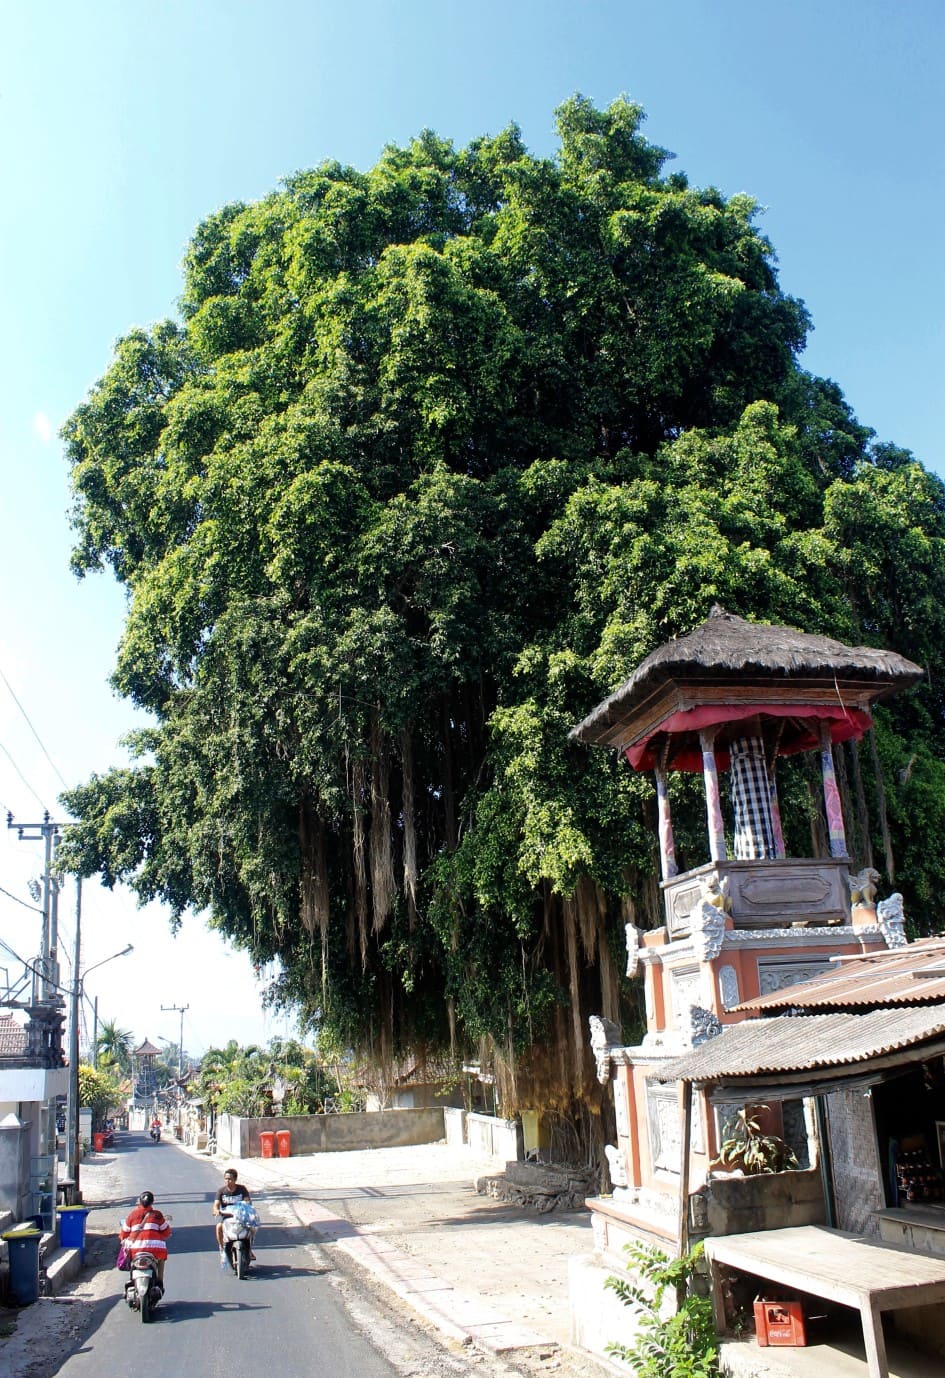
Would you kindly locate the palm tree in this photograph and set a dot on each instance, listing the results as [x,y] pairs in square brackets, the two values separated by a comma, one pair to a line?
[114,1045]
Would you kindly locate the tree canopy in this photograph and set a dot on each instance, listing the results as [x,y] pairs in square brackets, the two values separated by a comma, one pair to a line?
[434,455]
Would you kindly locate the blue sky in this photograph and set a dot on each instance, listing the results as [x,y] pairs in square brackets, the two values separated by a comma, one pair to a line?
[121,128]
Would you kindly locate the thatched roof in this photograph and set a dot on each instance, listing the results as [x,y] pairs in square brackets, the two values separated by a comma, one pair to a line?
[727,650]
[146,1049]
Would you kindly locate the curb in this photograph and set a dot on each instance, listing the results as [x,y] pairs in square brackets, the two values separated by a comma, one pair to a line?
[61,1268]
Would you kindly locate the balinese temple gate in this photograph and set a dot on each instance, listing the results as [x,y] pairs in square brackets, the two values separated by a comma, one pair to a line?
[731,696]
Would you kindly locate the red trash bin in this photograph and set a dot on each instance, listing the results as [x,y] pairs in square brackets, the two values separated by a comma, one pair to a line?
[98,1142]
[284,1140]
[267,1143]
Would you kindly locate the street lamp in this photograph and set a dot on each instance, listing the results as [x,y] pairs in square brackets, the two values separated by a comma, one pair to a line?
[77,992]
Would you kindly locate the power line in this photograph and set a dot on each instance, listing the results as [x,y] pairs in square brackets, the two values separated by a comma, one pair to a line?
[33,730]
[19,772]
[16,899]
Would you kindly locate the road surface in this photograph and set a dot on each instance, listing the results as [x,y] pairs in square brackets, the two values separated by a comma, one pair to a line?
[285,1319]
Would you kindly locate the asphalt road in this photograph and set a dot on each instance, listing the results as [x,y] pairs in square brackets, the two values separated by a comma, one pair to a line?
[285,1319]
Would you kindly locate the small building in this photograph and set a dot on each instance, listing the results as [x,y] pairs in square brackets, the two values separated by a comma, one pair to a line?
[734,697]
[32,1076]
[143,1074]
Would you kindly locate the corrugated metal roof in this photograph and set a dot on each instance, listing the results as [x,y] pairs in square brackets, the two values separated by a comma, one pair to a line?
[803,1042]
[910,975]
[12,1037]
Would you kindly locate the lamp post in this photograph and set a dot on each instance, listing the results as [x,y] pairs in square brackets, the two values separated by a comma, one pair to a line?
[72,1119]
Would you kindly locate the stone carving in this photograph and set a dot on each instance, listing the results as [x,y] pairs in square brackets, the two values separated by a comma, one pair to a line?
[617,1165]
[704,1025]
[707,924]
[892,921]
[715,891]
[863,887]
[774,976]
[621,1110]
[604,1036]
[686,988]
[728,986]
[633,948]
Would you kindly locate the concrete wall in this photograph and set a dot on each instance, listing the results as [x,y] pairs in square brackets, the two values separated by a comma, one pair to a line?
[494,1138]
[332,1133]
[454,1124]
[766,1201]
[15,1170]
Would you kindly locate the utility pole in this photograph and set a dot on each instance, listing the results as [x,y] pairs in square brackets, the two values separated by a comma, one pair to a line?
[72,1118]
[47,832]
[180,1062]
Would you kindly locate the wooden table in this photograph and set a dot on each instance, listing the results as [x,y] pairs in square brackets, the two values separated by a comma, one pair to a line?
[864,1274]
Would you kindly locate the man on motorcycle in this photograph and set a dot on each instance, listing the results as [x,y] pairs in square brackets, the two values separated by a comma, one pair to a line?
[145,1229]
[228,1195]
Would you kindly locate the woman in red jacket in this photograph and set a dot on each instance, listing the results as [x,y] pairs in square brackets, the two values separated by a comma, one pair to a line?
[145,1228]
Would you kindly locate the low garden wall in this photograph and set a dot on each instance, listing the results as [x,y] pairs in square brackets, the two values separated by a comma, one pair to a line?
[767,1201]
[494,1138]
[332,1133]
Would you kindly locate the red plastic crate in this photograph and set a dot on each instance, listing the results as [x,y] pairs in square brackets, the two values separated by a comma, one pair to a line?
[779,1322]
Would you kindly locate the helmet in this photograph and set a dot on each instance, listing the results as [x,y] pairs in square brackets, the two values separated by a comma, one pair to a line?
[146,1198]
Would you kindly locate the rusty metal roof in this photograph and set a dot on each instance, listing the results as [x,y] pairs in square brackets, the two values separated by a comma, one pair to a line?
[802,1043]
[913,975]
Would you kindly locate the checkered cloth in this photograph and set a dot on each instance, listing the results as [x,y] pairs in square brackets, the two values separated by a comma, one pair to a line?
[751,799]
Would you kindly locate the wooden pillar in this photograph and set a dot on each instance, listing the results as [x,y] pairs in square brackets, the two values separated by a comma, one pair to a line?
[667,843]
[685,1125]
[779,848]
[713,803]
[832,806]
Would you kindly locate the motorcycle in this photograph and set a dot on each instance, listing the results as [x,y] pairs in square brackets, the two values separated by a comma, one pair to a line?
[238,1225]
[143,1291]
[155,1132]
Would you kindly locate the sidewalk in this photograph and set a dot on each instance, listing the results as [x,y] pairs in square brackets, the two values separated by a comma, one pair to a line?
[480,1270]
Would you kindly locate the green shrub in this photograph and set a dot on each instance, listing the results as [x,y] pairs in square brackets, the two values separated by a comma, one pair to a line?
[683,1345]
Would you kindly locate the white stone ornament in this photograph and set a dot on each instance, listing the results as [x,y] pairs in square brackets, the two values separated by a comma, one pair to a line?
[708,930]
[604,1036]
[891,918]
[617,1165]
[633,948]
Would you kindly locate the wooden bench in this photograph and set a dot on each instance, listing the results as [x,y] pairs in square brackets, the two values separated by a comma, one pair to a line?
[864,1274]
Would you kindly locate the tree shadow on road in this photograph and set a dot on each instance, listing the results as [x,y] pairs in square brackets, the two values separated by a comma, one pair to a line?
[173,1312]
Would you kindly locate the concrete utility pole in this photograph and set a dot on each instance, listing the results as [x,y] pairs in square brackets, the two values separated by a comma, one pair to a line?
[180,1062]
[47,982]
[72,1116]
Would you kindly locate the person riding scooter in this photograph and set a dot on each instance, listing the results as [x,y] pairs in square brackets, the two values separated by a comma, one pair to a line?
[229,1194]
[145,1230]
[155,1130]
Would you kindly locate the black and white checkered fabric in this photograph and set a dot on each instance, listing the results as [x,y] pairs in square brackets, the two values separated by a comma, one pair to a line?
[754,834]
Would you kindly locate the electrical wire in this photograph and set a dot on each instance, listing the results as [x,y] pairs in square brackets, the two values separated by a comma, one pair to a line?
[33,730]
[16,900]
[22,776]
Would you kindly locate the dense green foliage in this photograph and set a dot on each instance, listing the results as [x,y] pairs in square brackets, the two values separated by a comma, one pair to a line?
[679,1344]
[285,1078]
[436,453]
[99,1091]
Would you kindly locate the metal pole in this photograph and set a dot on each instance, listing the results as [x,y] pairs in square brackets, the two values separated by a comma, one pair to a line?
[72,1117]
[46,989]
[95,1032]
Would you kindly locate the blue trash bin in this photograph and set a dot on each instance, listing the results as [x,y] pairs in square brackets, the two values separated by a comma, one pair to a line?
[23,1246]
[72,1228]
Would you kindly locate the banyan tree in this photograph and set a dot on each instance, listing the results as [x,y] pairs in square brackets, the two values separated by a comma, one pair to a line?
[432,457]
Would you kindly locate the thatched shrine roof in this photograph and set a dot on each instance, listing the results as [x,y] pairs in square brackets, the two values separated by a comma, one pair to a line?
[728,670]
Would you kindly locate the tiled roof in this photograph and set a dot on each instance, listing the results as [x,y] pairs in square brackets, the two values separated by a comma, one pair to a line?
[798,1043]
[12,1037]
[913,975]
